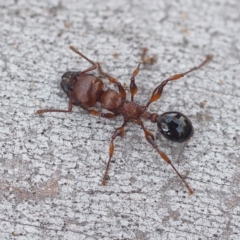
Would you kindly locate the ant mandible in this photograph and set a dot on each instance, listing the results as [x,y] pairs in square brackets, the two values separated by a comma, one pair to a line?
[85,90]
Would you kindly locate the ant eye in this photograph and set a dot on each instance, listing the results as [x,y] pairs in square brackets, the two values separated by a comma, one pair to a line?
[175,126]
[65,81]
[67,75]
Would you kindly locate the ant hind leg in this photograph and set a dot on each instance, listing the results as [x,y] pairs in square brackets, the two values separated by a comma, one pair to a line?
[150,138]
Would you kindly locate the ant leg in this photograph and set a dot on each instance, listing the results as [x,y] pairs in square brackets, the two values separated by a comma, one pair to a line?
[118,132]
[96,113]
[58,110]
[133,86]
[94,65]
[157,92]
[91,111]
[144,60]
[150,138]
[112,80]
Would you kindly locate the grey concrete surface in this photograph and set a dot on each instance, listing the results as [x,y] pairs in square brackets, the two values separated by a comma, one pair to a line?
[51,166]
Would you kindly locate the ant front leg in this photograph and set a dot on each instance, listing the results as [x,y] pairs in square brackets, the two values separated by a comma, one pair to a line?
[94,65]
[113,80]
[58,110]
[150,138]
[118,132]
[157,92]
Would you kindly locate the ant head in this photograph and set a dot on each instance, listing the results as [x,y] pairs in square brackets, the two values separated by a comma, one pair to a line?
[66,82]
[175,126]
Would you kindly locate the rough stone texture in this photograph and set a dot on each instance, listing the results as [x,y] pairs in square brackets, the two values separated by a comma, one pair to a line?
[51,166]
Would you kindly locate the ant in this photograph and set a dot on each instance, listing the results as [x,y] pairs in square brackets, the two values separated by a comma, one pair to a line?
[85,90]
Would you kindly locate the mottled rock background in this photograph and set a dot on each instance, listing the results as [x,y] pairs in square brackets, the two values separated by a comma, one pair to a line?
[51,166]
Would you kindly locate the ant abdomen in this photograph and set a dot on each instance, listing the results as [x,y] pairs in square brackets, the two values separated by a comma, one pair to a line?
[175,126]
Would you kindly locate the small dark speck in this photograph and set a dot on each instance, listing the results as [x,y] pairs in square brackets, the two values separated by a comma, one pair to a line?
[161,231]
[44,130]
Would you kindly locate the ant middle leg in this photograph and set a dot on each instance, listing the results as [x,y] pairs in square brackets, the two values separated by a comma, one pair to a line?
[157,92]
[118,132]
[99,114]
[144,60]
[133,86]
[150,138]
[112,80]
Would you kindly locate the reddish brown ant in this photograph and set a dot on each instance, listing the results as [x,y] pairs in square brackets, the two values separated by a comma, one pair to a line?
[85,90]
